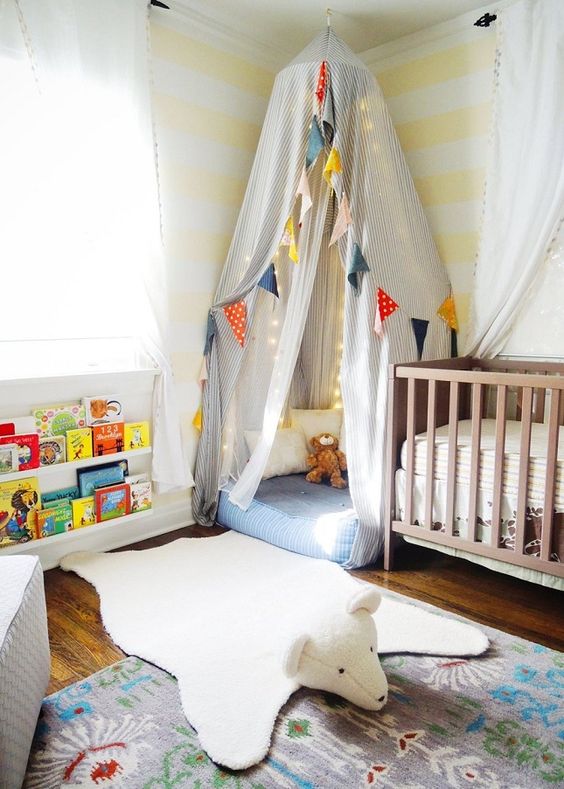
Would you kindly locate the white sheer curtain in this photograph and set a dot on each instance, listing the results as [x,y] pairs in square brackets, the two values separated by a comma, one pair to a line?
[79,202]
[524,199]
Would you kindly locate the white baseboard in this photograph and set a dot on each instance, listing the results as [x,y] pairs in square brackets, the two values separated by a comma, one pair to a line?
[162,519]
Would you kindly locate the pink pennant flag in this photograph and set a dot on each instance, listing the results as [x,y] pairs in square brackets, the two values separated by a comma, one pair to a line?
[303,190]
[378,327]
[203,377]
[344,219]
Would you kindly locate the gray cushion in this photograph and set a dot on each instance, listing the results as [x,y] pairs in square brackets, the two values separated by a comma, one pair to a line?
[24,662]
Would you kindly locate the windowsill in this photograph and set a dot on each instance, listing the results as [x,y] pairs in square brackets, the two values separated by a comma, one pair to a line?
[18,379]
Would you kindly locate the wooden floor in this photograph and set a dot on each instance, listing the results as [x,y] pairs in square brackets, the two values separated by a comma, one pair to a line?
[79,645]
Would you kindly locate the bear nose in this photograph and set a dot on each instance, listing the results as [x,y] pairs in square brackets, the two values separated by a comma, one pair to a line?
[382,698]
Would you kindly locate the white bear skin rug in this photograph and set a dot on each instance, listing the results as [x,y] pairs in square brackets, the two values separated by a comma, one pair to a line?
[242,624]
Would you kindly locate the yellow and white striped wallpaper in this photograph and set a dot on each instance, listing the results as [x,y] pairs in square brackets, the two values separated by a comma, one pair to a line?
[439,96]
[209,107]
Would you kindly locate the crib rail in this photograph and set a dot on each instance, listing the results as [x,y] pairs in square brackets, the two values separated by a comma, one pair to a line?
[426,396]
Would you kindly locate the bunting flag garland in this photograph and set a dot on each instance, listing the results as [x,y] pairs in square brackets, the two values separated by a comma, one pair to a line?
[344,219]
[321,84]
[236,315]
[385,306]
[268,280]
[303,190]
[420,327]
[203,377]
[447,312]
[197,420]
[289,240]
[315,145]
[333,165]
[358,264]
[211,330]
[328,117]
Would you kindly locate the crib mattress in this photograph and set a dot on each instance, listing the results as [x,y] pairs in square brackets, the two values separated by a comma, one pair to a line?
[537,464]
[291,513]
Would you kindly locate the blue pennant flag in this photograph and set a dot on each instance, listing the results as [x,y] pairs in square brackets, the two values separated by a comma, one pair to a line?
[210,333]
[358,263]
[268,280]
[315,144]
[420,330]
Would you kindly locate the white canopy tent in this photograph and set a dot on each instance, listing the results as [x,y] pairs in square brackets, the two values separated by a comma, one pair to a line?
[328,164]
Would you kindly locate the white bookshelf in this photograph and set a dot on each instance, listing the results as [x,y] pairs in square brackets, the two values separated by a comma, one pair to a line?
[60,468]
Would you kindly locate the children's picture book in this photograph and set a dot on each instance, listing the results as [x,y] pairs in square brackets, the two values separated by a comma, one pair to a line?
[54,520]
[9,458]
[16,424]
[19,502]
[102,409]
[52,450]
[94,477]
[55,420]
[60,494]
[28,449]
[136,435]
[111,502]
[83,512]
[133,479]
[79,444]
[107,439]
[140,496]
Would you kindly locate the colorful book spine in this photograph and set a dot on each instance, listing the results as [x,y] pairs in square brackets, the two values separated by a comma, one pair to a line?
[112,502]
[28,449]
[52,450]
[141,496]
[83,512]
[137,435]
[54,520]
[108,439]
[79,444]
[102,409]
[19,502]
[9,458]
[55,420]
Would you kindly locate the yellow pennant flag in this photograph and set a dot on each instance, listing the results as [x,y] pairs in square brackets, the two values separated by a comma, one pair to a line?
[197,421]
[333,165]
[289,240]
[447,312]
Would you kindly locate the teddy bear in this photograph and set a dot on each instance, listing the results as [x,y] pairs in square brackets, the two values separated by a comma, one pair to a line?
[326,460]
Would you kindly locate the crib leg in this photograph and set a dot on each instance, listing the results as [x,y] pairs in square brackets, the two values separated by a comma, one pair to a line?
[389,546]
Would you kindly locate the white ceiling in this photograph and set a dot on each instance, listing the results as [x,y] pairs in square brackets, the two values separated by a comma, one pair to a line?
[288,25]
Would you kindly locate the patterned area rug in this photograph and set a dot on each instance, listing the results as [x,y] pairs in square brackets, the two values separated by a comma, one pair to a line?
[493,721]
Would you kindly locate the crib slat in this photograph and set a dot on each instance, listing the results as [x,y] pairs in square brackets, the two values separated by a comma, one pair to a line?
[500,416]
[524,449]
[410,450]
[454,398]
[551,455]
[431,422]
[539,405]
[477,393]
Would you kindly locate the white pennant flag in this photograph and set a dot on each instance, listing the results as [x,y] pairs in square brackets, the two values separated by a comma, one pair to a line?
[203,372]
[303,190]
[344,219]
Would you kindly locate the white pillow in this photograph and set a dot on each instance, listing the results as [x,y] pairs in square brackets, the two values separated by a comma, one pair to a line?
[315,421]
[288,454]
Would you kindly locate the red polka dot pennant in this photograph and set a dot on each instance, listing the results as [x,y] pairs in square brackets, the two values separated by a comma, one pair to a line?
[236,314]
[321,84]
[385,307]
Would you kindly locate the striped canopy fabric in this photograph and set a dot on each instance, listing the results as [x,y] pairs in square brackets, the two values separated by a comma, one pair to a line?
[326,110]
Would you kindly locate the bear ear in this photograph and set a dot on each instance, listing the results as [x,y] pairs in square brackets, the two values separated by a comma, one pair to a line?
[314,441]
[367,597]
[291,659]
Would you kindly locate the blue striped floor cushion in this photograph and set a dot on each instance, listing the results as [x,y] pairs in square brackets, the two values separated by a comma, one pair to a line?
[314,520]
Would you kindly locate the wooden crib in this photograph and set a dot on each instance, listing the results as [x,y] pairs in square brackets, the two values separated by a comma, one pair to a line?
[465,405]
